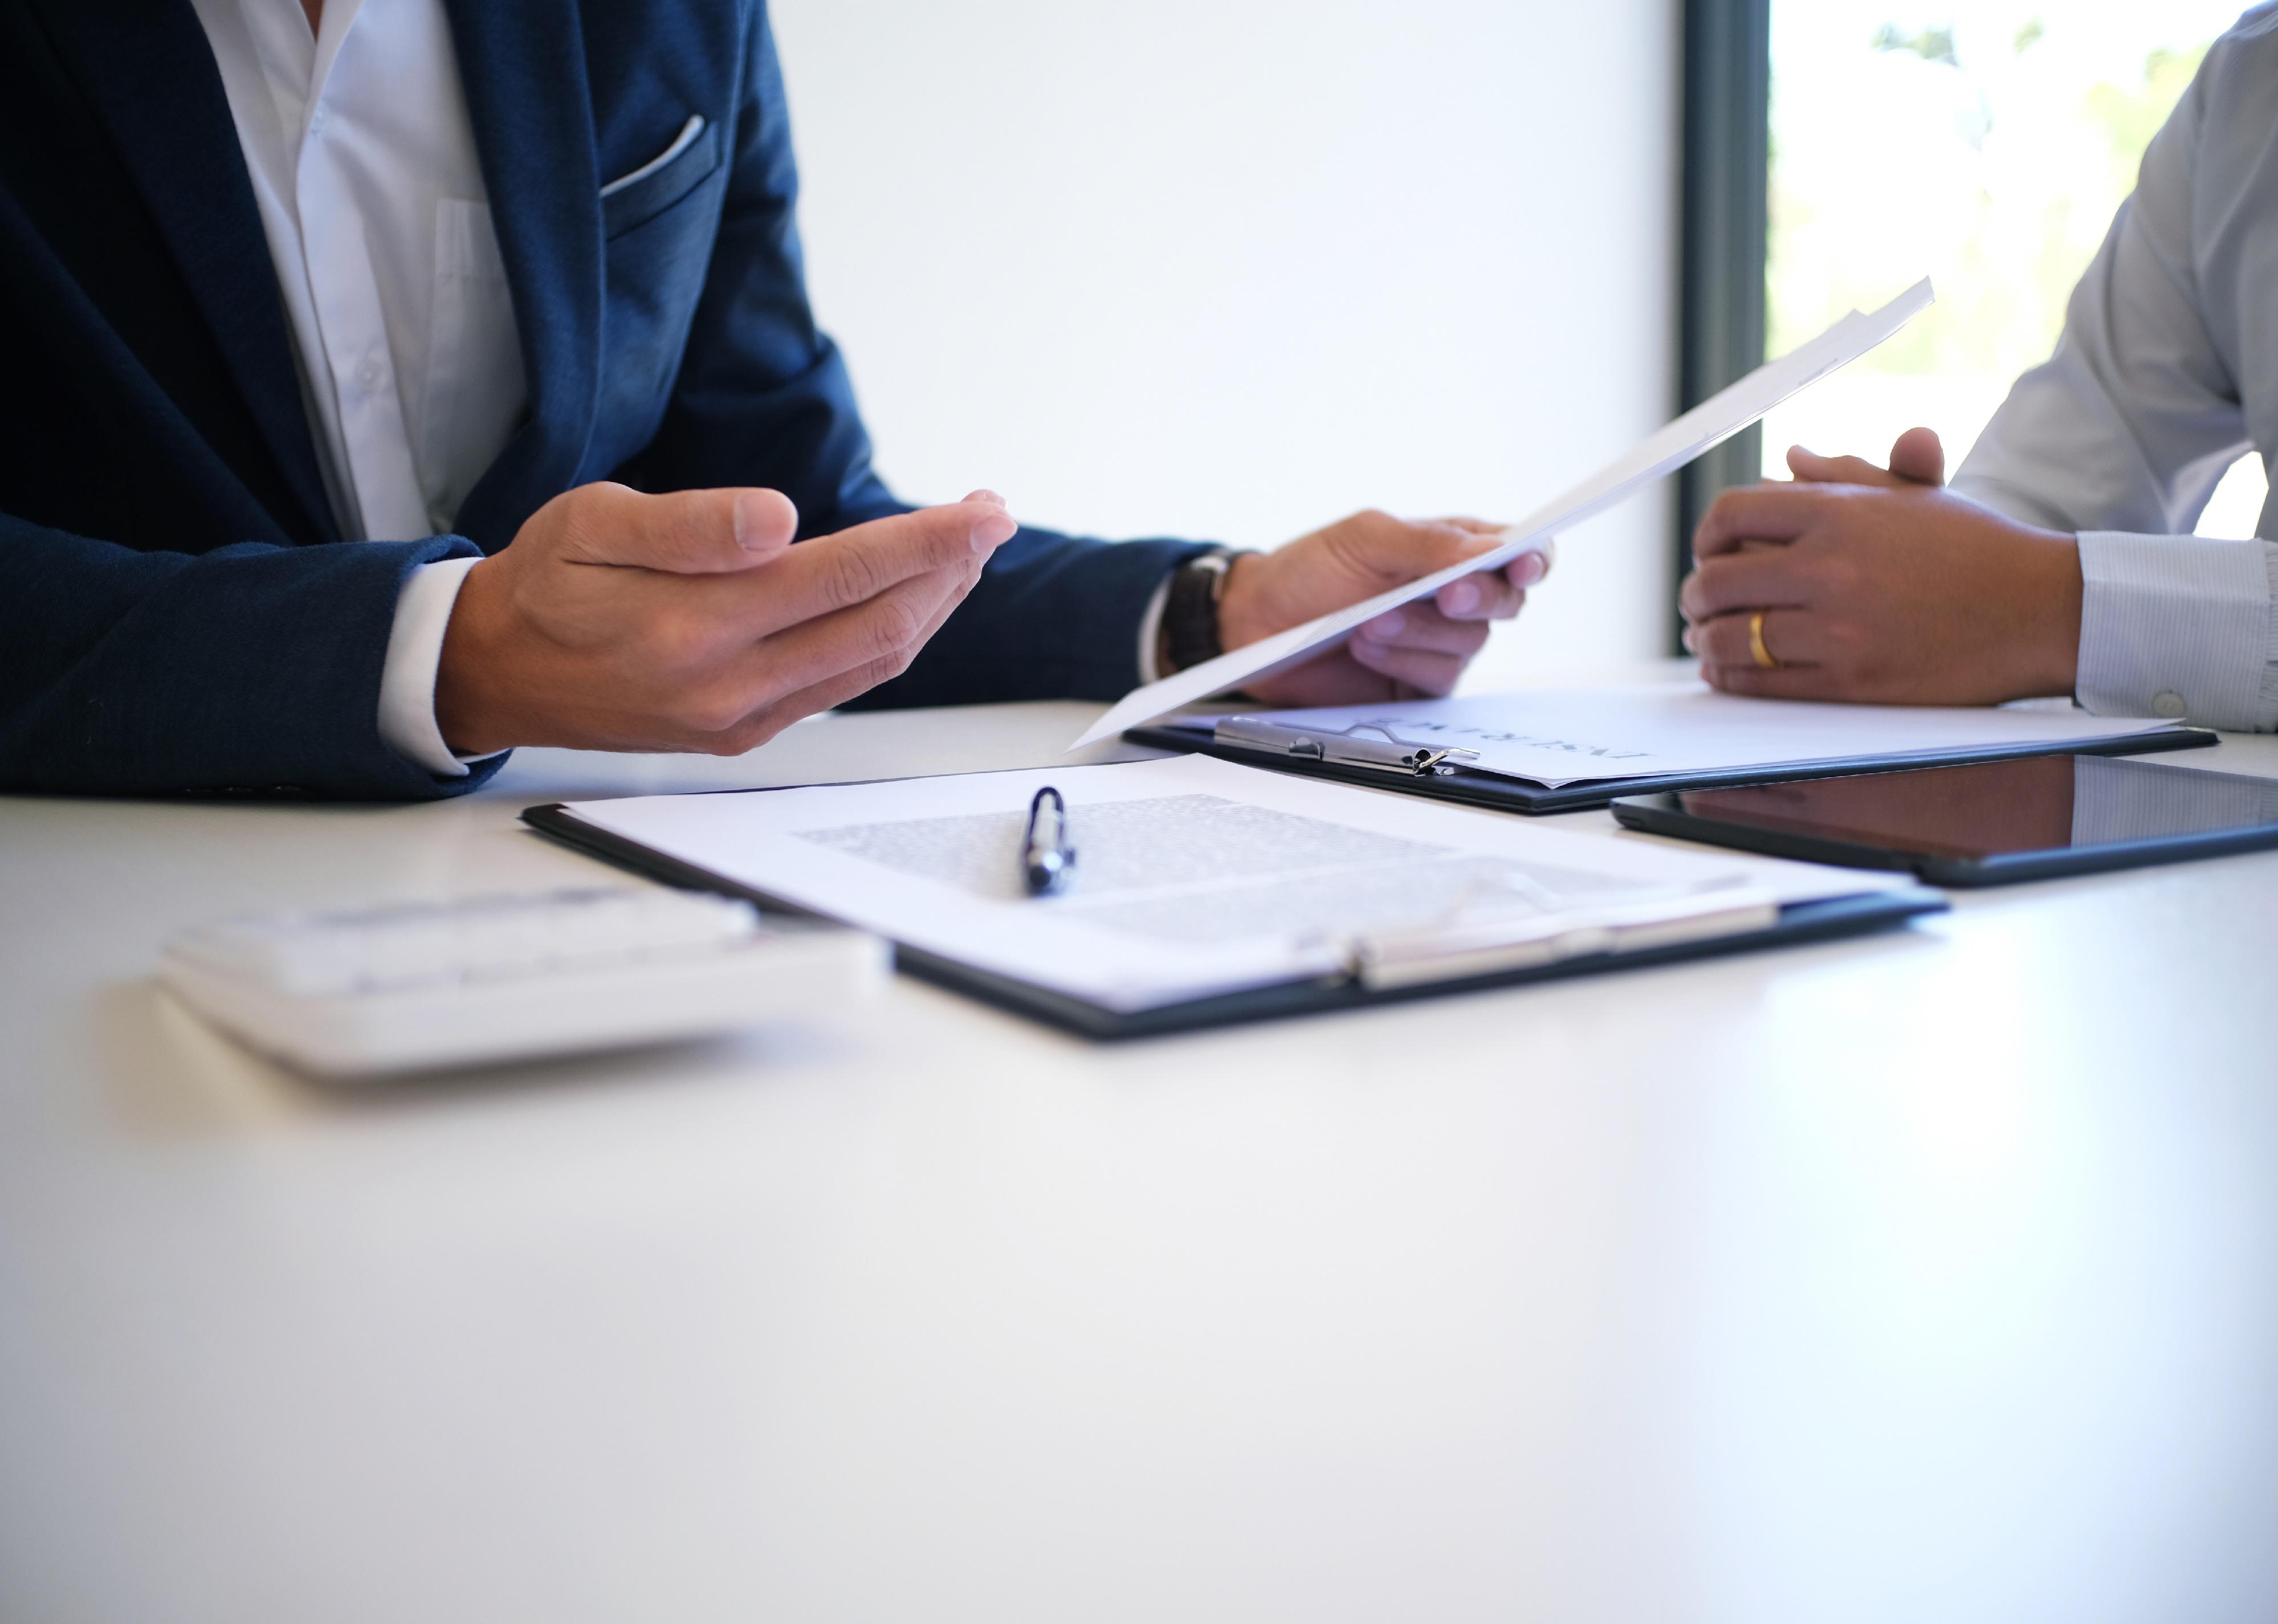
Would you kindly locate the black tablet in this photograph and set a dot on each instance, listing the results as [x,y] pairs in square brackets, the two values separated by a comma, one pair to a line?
[1982,825]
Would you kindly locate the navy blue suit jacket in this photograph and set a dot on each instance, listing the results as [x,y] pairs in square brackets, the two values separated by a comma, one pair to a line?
[177,610]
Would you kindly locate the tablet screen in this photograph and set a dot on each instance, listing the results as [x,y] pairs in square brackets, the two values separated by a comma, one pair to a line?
[2000,808]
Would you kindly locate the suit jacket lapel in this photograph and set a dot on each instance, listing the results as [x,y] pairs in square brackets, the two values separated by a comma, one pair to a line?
[524,66]
[151,76]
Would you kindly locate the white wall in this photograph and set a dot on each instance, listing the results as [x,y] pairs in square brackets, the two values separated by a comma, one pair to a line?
[1231,268]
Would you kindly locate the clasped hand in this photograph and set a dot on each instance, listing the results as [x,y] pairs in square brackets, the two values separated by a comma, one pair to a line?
[1880,585]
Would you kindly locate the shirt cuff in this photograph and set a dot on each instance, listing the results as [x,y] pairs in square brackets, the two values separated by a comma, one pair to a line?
[2180,627]
[1150,632]
[406,679]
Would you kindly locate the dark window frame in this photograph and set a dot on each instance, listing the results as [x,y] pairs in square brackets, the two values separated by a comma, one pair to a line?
[1723,235]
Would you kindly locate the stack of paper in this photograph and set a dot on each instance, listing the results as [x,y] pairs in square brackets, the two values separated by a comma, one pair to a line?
[1707,425]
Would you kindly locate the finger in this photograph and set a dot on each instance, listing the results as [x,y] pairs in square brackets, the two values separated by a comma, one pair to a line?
[1487,595]
[771,719]
[1478,527]
[756,727]
[1420,626]
[679,532]
[1729,640]
[836,572]
[1919,457]
[1425,669]
[1765,579]
[878,627]
[733,687]
[1395,551]
[1532,567]
[1812,469]
[1759,513]
[1491,595]
[958,592]
[864,677]
[1787,683]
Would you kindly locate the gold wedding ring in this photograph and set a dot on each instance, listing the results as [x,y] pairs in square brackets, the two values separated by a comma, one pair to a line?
[1756,642]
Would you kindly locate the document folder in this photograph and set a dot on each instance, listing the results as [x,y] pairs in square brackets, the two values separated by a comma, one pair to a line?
[1406,900]
[1796,923]
[1391,761]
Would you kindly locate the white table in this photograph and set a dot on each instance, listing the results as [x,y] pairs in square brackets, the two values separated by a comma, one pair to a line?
[1928,1276]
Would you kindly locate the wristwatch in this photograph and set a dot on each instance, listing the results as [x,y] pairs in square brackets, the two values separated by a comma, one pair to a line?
[1190,610]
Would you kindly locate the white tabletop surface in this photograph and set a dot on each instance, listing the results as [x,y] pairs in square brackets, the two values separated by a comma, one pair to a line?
[1931,1275]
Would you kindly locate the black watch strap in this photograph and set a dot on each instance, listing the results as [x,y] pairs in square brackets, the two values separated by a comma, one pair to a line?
[1190,610]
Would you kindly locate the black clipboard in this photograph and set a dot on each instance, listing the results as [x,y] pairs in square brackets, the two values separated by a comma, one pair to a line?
[1497,793]
[1798,923]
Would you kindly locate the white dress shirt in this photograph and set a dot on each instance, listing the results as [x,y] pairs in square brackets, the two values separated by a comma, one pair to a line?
[364,164]
[2166,372]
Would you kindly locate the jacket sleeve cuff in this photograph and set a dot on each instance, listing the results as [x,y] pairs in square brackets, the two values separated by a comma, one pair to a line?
[2177,626]
[415,650]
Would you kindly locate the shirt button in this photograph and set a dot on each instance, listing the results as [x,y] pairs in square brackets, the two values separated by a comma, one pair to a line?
[318,120]
[370,374]
[2168,703]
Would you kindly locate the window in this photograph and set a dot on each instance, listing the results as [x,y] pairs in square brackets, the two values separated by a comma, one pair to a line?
[1986,144]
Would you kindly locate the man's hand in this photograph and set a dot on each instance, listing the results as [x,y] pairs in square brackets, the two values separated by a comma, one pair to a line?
[618,620]
[1879,586]
[1412,652]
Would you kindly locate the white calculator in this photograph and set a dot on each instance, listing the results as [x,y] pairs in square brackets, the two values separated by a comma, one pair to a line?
[412,986]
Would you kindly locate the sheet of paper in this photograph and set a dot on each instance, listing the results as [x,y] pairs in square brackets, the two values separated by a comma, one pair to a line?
[1553,736]
[1193,877]
[1708,424]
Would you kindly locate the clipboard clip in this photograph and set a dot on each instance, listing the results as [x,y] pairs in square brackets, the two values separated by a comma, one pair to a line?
[1344,747]
[1456,947]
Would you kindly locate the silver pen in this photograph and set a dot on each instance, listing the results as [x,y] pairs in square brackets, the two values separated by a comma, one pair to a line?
[1046,858]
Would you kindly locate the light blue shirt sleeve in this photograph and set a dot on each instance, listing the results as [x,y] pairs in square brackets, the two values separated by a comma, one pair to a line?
[2123,433]
[2178,626]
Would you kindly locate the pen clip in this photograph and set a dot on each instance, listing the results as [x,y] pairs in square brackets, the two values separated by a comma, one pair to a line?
[1343,746]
